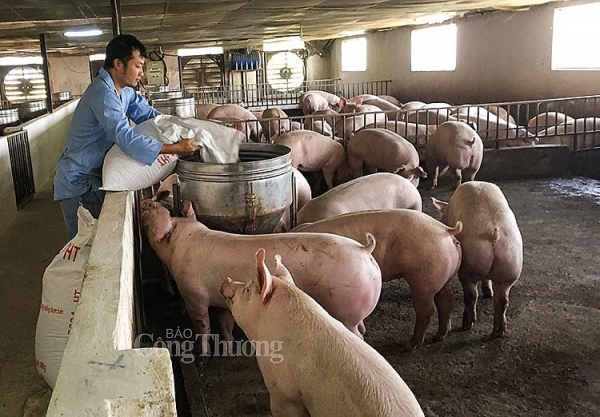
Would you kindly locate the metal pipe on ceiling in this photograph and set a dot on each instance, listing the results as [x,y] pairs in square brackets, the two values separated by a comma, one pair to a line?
[117,23]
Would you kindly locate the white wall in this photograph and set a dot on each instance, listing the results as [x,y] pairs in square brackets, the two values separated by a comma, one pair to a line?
[69,73]
[502,56]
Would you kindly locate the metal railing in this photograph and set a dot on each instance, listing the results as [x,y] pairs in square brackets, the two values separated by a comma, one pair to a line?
[570,121]
[263,95]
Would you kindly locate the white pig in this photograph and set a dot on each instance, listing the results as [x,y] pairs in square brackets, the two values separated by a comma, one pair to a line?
[377,191]
[410,245]
[313,152]
[338,272]
[547,120]
[383,150]
[455,146]
[311,364]
[491,243]
[314,100]
[274,121]
[234,112]
[303,196]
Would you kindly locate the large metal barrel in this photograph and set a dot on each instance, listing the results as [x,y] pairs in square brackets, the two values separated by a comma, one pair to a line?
[247,197]
[164,95]
[182,107]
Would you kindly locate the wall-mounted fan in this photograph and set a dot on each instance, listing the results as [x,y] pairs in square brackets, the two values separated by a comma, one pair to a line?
[23,84]
[202,71]
[285,71]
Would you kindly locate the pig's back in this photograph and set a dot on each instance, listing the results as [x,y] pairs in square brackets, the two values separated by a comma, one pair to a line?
[360,381]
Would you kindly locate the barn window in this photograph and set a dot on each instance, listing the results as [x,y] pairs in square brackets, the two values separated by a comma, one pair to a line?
[433,49]
[354,54]
[575,38]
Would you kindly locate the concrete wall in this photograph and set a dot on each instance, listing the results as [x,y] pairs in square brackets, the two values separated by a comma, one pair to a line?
[502,56]
[47,139]
[69,73]
[100,373]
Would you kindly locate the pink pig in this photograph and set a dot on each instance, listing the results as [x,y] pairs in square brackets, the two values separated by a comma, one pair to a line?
[384,150]
[338,272]
[379,191]
[303,196]
[410,245]
[314,100]
[455,146]
[492,246]
[312,151]
[234,112]
[311,364]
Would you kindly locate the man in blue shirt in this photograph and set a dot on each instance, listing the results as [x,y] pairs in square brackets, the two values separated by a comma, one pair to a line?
[101,120]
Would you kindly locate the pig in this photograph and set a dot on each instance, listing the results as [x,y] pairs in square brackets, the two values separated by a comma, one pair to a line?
[391,110]
[410,245]
[502,113]
[303,196]
[547,120]
[348,125]
[429,116]
[455,146]
[203,110]
[273,122]
[492,246]
[315,366]
[338,272]
[493,130]
[312,152]
[384,150]
[415,133]
[581,133]
[391,99]
[313,100]
[235,113]
[327,116]
[378,191]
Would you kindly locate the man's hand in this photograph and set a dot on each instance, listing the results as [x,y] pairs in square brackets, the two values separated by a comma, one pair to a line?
[185,147]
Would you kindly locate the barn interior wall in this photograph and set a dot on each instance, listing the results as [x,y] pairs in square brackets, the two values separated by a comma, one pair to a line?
[501,56]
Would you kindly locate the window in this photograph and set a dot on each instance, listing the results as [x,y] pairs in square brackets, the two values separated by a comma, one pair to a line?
[354,54]
[575,38]
[433,49]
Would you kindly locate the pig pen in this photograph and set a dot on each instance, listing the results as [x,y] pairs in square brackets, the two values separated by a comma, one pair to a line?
[547,363]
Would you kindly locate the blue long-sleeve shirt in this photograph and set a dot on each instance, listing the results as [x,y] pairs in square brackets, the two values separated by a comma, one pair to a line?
[100,120]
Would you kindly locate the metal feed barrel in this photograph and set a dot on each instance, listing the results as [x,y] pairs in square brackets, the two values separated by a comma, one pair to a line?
[247,197]
[182,107]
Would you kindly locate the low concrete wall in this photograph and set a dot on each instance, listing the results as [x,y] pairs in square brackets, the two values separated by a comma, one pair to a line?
[586,163]
[101,374]
[524,162]
[47,138]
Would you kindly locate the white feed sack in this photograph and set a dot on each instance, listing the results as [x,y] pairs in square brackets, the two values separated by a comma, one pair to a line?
[61,290]
[218,144]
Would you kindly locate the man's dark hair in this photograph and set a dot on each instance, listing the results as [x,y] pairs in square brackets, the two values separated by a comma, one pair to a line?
[121,47]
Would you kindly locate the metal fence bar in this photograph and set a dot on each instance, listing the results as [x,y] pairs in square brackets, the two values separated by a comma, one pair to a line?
[20,164]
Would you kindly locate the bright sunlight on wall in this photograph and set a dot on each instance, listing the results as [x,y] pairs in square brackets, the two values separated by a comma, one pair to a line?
[575,38]
[433,49]
[354,54]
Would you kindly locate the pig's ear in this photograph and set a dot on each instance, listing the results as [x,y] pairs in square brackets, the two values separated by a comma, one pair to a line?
[265,280]
[440,205]
[161,195]
[188,210]
[281,271]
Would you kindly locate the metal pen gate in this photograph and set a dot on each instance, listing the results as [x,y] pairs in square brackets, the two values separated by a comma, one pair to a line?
[20,165]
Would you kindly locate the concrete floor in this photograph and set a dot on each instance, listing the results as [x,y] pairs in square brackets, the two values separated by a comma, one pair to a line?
[27,246]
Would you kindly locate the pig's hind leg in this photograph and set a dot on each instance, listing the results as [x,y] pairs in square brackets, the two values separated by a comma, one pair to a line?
[444,303]
[500,299]
[425,308]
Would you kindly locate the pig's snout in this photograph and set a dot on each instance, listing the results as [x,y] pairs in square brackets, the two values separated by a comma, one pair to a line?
[228,289]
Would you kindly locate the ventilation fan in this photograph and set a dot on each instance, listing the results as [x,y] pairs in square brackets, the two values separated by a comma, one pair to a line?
[201,72]
[23,84]
[285,71]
